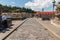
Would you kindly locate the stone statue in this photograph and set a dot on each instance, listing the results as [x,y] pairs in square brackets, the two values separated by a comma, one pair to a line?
[56,20]
[58,10]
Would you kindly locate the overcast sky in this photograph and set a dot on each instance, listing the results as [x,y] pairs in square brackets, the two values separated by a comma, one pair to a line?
[36,5]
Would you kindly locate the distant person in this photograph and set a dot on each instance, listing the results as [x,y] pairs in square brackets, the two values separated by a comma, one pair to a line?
[4,21]
[37,16]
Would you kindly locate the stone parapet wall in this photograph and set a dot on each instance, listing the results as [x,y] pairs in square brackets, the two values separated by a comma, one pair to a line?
[17,15]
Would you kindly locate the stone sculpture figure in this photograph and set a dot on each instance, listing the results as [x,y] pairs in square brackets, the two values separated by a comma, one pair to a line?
[58,10]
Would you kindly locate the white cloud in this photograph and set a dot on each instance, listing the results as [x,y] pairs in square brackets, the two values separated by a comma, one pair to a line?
[13,3]
[38,4]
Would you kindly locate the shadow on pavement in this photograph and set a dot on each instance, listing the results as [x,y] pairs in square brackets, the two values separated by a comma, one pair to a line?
[3,30]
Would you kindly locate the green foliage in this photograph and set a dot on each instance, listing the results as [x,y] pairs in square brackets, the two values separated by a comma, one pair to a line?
[15,9]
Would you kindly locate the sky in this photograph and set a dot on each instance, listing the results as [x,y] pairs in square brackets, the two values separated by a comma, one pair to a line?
[36,5]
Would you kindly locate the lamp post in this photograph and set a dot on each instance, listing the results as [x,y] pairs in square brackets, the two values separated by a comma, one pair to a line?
[53,6]
[42,9]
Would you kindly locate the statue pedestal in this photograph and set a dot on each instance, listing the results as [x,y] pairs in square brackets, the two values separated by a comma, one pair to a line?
[55,22]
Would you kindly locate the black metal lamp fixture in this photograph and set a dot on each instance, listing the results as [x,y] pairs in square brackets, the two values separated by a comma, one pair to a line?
[53,4]
[53,8]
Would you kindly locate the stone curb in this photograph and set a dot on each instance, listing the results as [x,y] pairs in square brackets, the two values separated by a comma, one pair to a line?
[13,30]
[56,25]
[50,30]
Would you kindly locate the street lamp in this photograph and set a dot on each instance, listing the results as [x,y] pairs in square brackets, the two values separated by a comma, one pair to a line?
[53,6]
[42,9]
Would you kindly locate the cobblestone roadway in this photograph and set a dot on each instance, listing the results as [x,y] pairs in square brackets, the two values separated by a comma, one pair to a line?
[31,30]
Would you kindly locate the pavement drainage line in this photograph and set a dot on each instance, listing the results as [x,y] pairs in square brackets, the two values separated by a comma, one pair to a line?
[50,31]
[14,29]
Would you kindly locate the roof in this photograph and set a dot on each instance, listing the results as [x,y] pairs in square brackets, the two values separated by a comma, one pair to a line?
[38,13]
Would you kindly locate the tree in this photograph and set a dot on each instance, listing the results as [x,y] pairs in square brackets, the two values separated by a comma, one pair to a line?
[0,14]
[15,9]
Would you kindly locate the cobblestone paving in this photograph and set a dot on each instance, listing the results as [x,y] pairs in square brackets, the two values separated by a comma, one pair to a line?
[56,22]
[31,30]
[54,29]
[6,32]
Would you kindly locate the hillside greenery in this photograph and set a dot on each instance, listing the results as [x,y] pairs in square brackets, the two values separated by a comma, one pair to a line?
[11,9]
